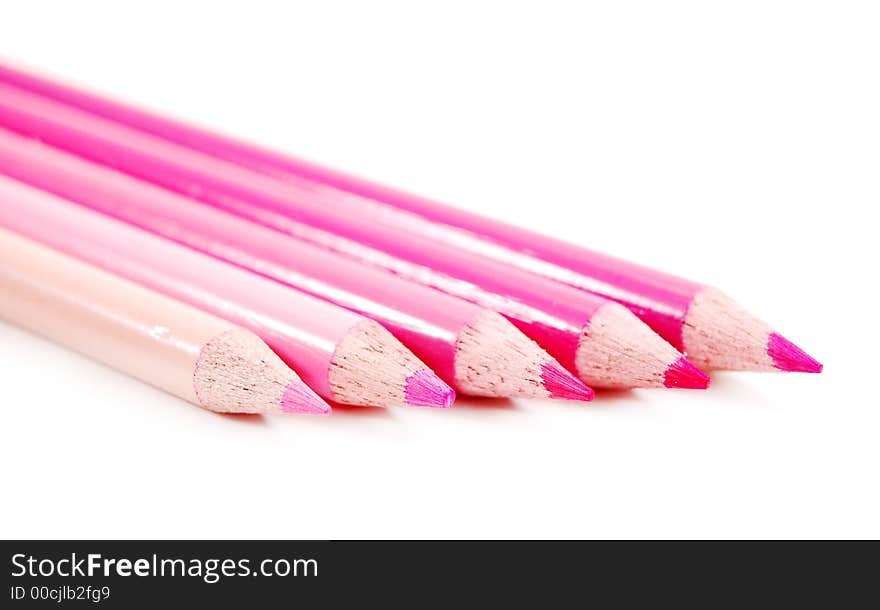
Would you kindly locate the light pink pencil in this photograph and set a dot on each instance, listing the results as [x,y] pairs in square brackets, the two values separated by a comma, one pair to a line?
[191,354]
[714,331]
[343,356]
[606,345]
[473,349]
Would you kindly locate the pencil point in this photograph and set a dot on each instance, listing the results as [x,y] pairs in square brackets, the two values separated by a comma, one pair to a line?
[372,368]
[684,375]
[425,389]
[494,358]
[299,398]
[563,385]
[617,350]
[719,333]
[237,373]
[789,357]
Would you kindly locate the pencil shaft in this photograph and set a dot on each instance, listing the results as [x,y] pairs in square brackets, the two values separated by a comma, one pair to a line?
[553,314]
[115,321]
[659,298]
[304,331]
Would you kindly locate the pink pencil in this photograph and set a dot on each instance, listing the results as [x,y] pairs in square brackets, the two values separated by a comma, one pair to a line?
[341,355]
[473,348]
[711,328]
[177,348]
[601,341]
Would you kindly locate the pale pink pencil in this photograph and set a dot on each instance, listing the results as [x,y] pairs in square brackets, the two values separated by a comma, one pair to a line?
[343,356]
[714,331]
[191,354]
[606,345]
[473,349]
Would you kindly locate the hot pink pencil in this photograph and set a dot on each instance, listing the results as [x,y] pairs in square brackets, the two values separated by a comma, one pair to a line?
[341,355]
[473,348]
[177,348]
[601,341]
[712,329]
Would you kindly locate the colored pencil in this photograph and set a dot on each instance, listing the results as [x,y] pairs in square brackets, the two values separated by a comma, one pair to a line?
[711,328]
[343,356]
[599,340]
[191,354]
[472,348]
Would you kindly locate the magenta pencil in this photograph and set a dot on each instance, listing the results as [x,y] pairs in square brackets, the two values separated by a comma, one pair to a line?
[601,341]
[472,348]
[711,328]
[341,355]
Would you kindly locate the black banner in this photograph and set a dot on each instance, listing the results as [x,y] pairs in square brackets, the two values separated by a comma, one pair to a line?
[144,574]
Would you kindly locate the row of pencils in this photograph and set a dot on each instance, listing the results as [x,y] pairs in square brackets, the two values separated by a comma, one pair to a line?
[248,281]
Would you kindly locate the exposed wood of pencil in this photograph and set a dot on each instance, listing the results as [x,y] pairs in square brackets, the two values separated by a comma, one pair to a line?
[617,351]
[341,355]
[186,352]
[714,331]
[473,348]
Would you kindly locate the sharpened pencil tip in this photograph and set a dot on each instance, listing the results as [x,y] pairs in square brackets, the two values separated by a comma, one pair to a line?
[299,398]
[425,389]
[718,333]
[789,357]
[684,375]
[617,350]
[494,358]
[561,384]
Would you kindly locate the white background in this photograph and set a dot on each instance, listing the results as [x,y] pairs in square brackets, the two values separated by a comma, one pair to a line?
[736,143]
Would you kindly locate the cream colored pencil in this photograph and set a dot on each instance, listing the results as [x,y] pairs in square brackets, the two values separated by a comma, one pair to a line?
[194,355]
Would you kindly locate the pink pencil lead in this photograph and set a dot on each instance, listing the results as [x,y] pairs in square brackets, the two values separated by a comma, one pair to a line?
[563,385]
[299,398]
[682,374]
[425,389]
[789,357]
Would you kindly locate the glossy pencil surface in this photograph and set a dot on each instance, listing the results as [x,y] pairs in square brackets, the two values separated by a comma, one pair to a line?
[714,330]
[559,317]
[462,342]
[343,356]
[661,299]
[186,352]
